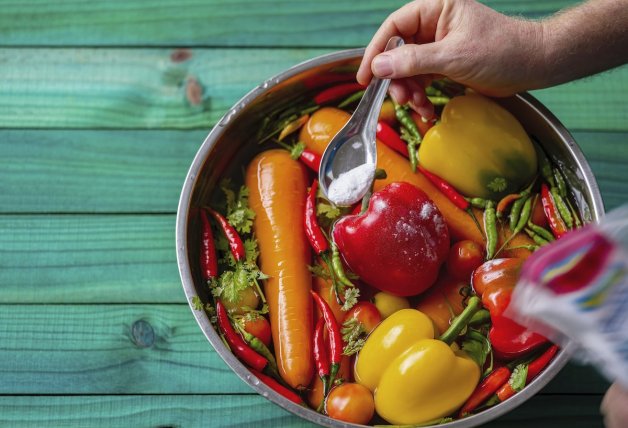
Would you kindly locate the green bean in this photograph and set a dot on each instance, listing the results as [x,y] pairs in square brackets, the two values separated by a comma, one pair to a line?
[562,208]
[541,231]
[490,226]
[536,238]
[560,182]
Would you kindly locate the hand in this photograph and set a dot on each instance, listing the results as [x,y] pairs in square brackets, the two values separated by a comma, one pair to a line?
[615,407]
[463,40]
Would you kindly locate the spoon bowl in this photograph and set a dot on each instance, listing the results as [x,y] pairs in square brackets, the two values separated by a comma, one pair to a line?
[354,145]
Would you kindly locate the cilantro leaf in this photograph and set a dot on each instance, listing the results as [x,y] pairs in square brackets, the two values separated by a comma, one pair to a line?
[351,298]
[353,335]
[197,303]
[518,377]
[320,271]
[239,215]
[497,184]
[251,250]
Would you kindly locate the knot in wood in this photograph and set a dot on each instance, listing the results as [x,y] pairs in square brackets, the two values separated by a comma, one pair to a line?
[142,334]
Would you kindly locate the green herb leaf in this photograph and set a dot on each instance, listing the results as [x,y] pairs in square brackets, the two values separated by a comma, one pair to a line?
[251,250]
[353,335]
[518,377]
[319,270]
[477,346]
[498,184]
[197,303]
[350,298]
[239,215]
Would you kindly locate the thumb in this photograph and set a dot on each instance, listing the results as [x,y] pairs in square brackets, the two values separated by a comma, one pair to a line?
[411,60]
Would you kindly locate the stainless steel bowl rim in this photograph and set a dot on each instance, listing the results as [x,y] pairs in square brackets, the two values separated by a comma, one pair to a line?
[597,210]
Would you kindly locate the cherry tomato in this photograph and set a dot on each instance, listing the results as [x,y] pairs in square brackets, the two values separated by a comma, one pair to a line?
[247,299]
[350,402]
[464,257]
[366,313]
[387,113]
[258,326]
[388,304]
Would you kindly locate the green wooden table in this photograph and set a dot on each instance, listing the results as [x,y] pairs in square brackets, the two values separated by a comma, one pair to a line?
[102,108]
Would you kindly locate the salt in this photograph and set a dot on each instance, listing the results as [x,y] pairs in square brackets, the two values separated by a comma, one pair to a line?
[349,187]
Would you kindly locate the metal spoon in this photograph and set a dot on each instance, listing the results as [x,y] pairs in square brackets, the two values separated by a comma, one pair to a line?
[354,145]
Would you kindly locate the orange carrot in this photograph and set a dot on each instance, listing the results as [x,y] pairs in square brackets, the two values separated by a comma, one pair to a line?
[278,190]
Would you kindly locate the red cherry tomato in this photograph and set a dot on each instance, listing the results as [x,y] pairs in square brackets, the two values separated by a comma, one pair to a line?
[258,326]
[464,257]
[350,402]
[366,313]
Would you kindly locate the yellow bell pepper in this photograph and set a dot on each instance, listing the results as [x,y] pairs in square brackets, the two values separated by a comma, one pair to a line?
[479,148]
[416,378]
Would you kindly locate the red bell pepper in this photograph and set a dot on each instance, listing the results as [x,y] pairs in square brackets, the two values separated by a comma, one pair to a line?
[494,281]
[398,244]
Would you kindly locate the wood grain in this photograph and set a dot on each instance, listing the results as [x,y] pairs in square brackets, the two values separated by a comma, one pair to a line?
[130,171]
[332,23]
[145,89]
[244,412]
[134,348]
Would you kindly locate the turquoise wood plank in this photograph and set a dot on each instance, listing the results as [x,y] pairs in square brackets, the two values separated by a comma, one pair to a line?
[143,171]
[136,349]
[108,349]
[216,23]
[88,259]
[145,89]
[246,411]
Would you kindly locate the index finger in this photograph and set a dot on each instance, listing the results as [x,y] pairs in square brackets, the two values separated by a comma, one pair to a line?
[408,21]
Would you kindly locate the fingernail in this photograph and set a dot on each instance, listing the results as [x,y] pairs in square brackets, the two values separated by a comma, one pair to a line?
[382,65]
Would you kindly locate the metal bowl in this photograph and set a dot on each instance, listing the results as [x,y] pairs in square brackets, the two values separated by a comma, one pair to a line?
[231,144]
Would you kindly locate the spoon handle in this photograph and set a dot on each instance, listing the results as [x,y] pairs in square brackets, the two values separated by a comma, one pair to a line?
[374,96]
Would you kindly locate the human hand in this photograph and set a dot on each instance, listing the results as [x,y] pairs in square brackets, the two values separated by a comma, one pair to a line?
[462,40]
[615,407]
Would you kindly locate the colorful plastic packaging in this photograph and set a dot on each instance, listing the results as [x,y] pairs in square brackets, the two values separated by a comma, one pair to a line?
[575,292]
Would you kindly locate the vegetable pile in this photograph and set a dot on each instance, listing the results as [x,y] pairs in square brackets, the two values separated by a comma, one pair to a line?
[393,310]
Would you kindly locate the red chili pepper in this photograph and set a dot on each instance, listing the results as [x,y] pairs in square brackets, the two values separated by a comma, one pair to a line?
[209,262]
[335,338]
[312,229]
[551,212]
[389,136]
[235,242]
[485,389]
[446,188]
[238,346]
[534,368]
[311,160]
[336,92]
[320,354]
[279,388]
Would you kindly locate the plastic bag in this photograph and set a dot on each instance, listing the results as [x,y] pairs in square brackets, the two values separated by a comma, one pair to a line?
[575,292]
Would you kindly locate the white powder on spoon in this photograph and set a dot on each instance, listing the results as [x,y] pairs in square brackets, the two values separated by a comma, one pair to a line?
[349,187]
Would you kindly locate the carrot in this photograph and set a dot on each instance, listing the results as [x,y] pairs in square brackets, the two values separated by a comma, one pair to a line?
[278,187]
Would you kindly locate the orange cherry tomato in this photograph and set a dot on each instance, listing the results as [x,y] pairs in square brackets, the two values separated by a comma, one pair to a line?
[387,113]
[464,257]
[258,326]
[366,313]
[350,402]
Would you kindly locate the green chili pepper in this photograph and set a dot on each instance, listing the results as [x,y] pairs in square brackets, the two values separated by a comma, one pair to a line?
[438,101]
[433,92]
[336,265]
[477,202]
[536,238]
[259,347]
[562,208]
[524,247]
[413,152]
[574,213]
[525,215]
[541,231]
[560,182]
[490,226]
[351,99]
[406,121]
